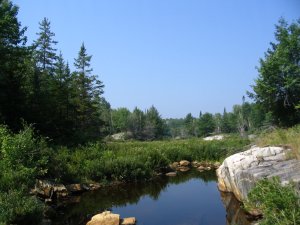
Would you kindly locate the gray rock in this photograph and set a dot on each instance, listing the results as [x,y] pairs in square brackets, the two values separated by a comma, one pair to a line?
[49,189]
[240,172]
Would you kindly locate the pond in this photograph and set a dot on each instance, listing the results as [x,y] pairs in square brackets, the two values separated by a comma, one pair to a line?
[190,198]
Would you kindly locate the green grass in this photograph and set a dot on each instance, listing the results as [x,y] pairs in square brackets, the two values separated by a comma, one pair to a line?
[279,204]
[133,160]
[286,137]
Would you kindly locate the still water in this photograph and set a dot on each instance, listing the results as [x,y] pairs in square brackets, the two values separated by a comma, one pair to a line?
[190,198]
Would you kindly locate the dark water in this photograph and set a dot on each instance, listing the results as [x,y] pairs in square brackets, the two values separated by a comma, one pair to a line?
[191,198]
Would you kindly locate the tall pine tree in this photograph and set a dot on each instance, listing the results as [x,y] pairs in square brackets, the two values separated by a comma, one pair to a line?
[86,96]
[13,55]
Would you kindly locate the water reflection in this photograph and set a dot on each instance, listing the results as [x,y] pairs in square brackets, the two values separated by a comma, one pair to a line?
[235,213]
[189,198]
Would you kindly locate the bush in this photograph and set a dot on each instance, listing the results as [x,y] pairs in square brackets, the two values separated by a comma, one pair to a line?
[23,158]
[279,204]
[17,207]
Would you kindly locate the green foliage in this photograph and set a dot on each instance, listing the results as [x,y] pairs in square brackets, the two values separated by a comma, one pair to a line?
[277,87]
[45,53]
[23,158]
[120,119]
[279,204]
[18,208]
[12,55]
[135,160]
[206,124]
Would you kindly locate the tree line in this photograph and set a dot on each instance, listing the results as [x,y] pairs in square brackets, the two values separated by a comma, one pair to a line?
[38,87]
[244,118]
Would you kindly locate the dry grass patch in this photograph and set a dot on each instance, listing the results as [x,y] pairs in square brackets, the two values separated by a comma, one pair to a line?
[282,137]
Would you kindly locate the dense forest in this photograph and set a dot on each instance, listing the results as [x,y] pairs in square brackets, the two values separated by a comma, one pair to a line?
[44,106]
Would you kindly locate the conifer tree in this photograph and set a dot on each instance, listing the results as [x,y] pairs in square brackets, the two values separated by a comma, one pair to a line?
[45,53]
[13,55]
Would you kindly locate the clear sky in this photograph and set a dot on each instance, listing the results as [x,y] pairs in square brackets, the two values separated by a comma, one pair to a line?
[179,55]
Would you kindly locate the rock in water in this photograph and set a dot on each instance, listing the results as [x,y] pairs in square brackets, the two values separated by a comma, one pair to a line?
[105,218]
[171,174]
[240,172]
[49,189]
[128,221]
[184,163]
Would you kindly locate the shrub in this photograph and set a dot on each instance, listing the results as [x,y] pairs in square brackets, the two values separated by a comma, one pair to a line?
[23,157]
[279,204]
[17,207]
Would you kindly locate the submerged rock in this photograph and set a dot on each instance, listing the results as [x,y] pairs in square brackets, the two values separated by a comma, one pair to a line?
[75,188]
[240,172]
[171,174]
[235,213]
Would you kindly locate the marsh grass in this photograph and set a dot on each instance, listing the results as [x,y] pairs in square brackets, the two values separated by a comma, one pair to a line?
[284,137]
[135,160]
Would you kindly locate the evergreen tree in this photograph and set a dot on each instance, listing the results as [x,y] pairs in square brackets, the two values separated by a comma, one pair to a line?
[13,55]
[87,90]
[206,124]
[154,125]
[190,125]
[136,123]
[45,53]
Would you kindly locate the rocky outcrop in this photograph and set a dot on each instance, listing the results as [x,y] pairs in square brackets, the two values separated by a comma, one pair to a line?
[50,190]
[109,218]
[239,172]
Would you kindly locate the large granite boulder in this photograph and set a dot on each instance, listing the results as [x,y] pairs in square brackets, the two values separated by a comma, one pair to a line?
[239,172]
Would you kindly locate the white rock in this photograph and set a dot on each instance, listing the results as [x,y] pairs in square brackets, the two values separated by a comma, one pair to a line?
[239,172]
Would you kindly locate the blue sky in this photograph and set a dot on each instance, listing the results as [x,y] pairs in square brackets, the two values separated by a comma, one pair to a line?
[180,56]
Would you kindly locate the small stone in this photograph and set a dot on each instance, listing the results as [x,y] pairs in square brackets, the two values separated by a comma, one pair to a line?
[174,165]
[74,188]
[184,163]
[201,168]
[171,174]
[128,221]
[183,169]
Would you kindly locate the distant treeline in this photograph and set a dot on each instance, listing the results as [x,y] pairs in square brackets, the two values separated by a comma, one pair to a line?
[38,87]
[247,117]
